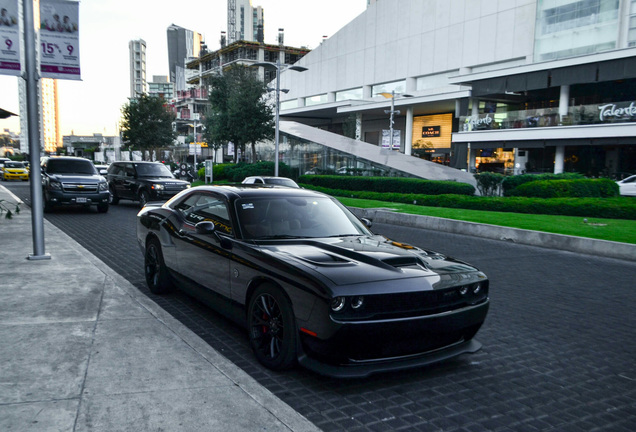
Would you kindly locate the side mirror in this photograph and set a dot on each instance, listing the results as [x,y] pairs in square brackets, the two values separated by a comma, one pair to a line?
[367,222]
[103,172]
[205,227]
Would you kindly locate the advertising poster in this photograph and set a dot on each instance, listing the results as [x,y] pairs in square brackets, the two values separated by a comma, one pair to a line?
[59,39]
[9,38]
[386,139]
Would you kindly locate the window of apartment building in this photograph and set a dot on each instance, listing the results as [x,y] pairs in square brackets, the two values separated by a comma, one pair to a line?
[316,100]
[396,86]
[350,94]
[631,35]
[594,21]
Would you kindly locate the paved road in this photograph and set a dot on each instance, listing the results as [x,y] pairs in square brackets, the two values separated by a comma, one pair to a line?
[559,347]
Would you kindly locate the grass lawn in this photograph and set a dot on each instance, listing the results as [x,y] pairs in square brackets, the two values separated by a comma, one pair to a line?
[619,230]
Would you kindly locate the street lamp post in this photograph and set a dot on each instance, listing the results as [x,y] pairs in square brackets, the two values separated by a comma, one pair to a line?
[392,111]
[278,67]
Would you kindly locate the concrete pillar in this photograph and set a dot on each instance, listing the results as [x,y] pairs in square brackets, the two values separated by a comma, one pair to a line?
[564,102]
[475,107]
[331,96]
[559,159]
[408,134]
[366,92]
[472,155]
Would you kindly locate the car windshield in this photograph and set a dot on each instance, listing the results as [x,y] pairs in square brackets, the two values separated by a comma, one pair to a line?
[66,166]
[152,170]
[282,182]
[295,217]
[13,165]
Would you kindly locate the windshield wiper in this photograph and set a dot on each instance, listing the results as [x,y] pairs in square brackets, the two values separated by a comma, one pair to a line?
[280,236]
[344,235]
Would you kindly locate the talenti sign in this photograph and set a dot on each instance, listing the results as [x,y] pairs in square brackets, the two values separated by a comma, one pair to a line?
[612,111]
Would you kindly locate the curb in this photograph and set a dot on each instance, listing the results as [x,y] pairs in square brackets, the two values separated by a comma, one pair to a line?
[583,245]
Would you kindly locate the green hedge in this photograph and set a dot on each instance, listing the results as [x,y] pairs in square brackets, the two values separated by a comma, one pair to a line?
[388,184]
[580,188]
[237,172]
[610,208]
[511,182]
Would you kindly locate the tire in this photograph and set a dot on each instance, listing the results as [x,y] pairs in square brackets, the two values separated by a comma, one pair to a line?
[48,205]
[114,199]
[102,208]
[157,277]
[272,328]
[144,197]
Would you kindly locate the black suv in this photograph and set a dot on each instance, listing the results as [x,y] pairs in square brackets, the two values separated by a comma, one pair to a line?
[73,181]
[143,182]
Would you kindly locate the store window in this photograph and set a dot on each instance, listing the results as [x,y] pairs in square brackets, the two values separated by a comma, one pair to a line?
[396,86]
[350,94]
[316,100]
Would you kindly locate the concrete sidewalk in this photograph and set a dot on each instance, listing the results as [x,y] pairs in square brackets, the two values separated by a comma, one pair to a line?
[83,350]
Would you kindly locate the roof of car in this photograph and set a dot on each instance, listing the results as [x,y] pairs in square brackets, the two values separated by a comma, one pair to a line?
[240,190]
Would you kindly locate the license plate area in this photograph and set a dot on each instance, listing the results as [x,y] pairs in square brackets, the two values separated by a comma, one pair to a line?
[80,200]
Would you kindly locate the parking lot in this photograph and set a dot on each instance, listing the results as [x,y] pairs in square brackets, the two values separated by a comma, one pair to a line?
[558,343]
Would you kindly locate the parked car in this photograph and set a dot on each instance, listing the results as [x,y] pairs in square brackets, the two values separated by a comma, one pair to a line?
[278,181]
[143,182]
[73,181]
[312,284]
[627,186]
[14,171]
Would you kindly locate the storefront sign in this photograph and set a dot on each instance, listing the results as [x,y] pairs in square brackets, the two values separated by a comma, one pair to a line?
[59,39]
[431,131]
[609,111]
[476,121]
[9,38]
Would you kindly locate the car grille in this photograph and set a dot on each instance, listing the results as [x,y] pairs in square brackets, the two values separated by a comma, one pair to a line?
[79,187]
[174,187]
[420,303]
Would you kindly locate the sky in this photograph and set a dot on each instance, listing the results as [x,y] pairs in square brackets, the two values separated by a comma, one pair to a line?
[93,105]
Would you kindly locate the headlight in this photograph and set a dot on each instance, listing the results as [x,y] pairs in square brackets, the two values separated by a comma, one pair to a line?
[157,186]
[55,185]
[463,290]
[477,288]
[337,304]
[188,186]
[357,302]
[103,186]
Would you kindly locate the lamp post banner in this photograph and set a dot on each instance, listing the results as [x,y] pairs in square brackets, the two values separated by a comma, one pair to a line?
[9,38]
[59,39]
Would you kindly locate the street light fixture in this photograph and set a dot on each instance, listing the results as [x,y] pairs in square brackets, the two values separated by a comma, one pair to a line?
[392,111]
[278,67]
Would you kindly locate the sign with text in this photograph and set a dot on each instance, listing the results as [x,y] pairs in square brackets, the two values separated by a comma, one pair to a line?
[59,39]
[431,131]
[386,139]
[9,38]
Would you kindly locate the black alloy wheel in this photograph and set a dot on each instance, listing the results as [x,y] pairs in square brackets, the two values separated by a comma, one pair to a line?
[144,197]
[271,327]
[155,270]
[48,205]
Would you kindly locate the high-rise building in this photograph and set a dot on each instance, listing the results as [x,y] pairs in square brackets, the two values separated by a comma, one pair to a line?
[137,50]
[183,45]
[160,86]
[49,127]
[51,135]
[245,22]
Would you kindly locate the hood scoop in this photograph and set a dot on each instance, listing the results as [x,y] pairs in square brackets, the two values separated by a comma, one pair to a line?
[405,261]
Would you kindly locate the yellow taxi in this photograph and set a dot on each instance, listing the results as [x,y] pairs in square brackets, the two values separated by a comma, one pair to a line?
[15,171]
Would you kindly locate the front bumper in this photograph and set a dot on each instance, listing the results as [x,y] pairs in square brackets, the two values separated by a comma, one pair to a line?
[359,349]
[57,197]
[15,176]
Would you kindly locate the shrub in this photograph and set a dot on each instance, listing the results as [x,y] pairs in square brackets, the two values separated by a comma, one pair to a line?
[512,182]
[389,184]
[489,183]
[598,188]
[610,208]
[237,172]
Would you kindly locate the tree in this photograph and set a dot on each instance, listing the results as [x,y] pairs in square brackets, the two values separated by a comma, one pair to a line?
[238,110]
[147,123]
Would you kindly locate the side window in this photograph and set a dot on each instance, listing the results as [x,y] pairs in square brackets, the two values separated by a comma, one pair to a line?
[129,171]
[199,207]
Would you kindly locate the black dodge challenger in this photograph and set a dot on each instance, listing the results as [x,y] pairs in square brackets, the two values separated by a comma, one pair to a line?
[309,280]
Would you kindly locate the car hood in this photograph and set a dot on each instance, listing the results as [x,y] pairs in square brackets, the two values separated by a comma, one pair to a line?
[76,178]
[363,260]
